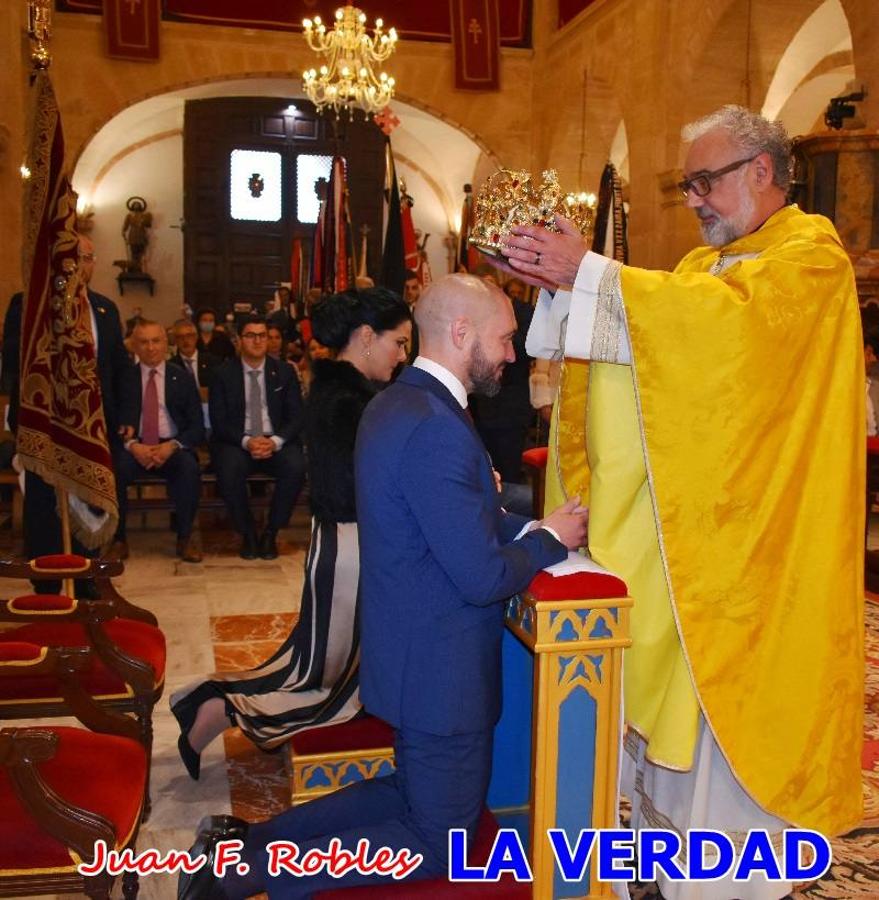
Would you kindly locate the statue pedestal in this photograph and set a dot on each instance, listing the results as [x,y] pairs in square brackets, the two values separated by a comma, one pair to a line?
[135,278]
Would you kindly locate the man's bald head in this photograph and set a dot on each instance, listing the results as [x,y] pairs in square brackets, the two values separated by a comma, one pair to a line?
[453,297]
[461,317]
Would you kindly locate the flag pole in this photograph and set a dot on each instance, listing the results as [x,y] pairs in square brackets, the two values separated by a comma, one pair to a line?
[66,543]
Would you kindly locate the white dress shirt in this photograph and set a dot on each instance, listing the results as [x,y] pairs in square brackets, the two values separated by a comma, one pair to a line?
[444,377]
[266,418]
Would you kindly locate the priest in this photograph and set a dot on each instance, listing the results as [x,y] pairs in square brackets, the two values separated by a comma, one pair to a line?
[725,443]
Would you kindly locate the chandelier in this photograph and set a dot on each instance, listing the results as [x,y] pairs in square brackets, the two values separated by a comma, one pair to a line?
[347,79]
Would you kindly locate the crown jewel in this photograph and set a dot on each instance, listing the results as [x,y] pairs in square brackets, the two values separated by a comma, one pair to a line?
[510,198]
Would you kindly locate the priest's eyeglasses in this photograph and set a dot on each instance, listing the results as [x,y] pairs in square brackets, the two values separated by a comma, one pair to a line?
[701,182]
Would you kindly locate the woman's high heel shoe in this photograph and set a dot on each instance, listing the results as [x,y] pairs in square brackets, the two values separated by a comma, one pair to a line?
[191,759]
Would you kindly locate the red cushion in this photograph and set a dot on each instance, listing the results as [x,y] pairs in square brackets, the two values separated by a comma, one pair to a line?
[505,889]
[99,772]
[579,586]
[47,603]
[137,639]
[61,561]
[536,457]
[362,733]
[19,651]
[873,446]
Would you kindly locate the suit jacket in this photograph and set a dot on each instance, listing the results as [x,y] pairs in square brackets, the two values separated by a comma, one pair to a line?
[113,358]
[207,362]
[437,560]
[226,402]
[182,401]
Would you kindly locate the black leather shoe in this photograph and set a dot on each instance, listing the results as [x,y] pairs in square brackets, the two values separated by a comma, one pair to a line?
[203,884]
[268,545]
[248,547]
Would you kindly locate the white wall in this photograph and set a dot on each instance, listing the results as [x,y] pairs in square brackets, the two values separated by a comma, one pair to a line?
[155,172]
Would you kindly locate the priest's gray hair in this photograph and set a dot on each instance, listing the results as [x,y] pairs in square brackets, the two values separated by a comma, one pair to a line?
[753,134]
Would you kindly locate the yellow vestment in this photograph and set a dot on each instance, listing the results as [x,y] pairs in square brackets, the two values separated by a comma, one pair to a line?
[726,486]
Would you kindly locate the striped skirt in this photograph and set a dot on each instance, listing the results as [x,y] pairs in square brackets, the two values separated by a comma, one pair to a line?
[313,678]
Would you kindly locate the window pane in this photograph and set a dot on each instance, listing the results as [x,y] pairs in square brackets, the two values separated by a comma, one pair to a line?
[255,186]
[310,167]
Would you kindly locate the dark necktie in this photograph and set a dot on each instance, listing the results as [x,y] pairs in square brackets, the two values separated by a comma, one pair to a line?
[256,423]
[191,366]
[149,433]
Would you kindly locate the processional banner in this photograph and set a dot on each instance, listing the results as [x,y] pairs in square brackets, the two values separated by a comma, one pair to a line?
[476,39]
[62,432]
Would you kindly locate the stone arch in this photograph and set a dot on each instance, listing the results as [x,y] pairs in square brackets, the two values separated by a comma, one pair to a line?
[816,65]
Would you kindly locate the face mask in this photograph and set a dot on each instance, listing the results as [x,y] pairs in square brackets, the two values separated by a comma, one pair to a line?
[206,327]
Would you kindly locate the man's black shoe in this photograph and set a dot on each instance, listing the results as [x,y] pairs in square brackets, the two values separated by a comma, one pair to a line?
[268,544]
[203,884]
[248,547]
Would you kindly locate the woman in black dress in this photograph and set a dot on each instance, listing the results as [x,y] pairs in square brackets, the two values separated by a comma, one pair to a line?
[313,678]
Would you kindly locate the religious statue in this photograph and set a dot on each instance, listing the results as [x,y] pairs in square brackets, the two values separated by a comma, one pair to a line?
[135,231]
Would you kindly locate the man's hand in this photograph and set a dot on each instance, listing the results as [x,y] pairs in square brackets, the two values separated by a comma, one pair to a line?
[143,454]
[126,432]
[570,521]
[162,452]
[261,447]
[544,254]
[498,481]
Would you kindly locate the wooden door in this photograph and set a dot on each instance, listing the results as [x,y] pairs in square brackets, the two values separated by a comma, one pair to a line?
[228,259]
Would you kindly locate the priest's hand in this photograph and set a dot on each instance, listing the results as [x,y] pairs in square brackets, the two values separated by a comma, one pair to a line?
[501,262]
[570,522]
[547,255]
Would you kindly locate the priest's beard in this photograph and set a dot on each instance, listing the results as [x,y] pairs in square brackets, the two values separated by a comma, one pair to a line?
[724,230]
[485,376]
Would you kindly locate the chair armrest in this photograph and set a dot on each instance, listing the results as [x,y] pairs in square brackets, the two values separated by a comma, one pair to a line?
[56,566]
[22,660]
[21,749]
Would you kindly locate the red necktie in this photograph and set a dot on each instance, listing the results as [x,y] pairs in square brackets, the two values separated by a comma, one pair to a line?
[149,432]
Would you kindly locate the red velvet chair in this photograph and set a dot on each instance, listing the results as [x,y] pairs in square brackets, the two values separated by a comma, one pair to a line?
[62,788]
[126,673]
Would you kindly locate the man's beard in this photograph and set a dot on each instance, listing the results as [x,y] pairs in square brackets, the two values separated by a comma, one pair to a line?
[484,375]
[725,230]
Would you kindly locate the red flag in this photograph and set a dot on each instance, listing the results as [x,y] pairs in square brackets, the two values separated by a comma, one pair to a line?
[62,432]
[332,260]
[477,41]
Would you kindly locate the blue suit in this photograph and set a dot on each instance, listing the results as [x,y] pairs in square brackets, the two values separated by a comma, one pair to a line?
[437,560]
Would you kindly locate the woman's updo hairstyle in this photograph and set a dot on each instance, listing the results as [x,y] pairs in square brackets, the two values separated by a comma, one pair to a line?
[334,318]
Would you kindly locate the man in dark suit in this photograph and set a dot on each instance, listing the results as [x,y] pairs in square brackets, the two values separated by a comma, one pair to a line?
[161,409]
[502,420]
[439,556]
[256,418]
[199,363]
[42,527]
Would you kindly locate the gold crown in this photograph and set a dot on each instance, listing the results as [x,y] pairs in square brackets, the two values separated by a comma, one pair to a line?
[509,198]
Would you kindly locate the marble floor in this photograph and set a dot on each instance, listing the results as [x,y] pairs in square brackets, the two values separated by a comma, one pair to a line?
[223,614]
[209,613]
